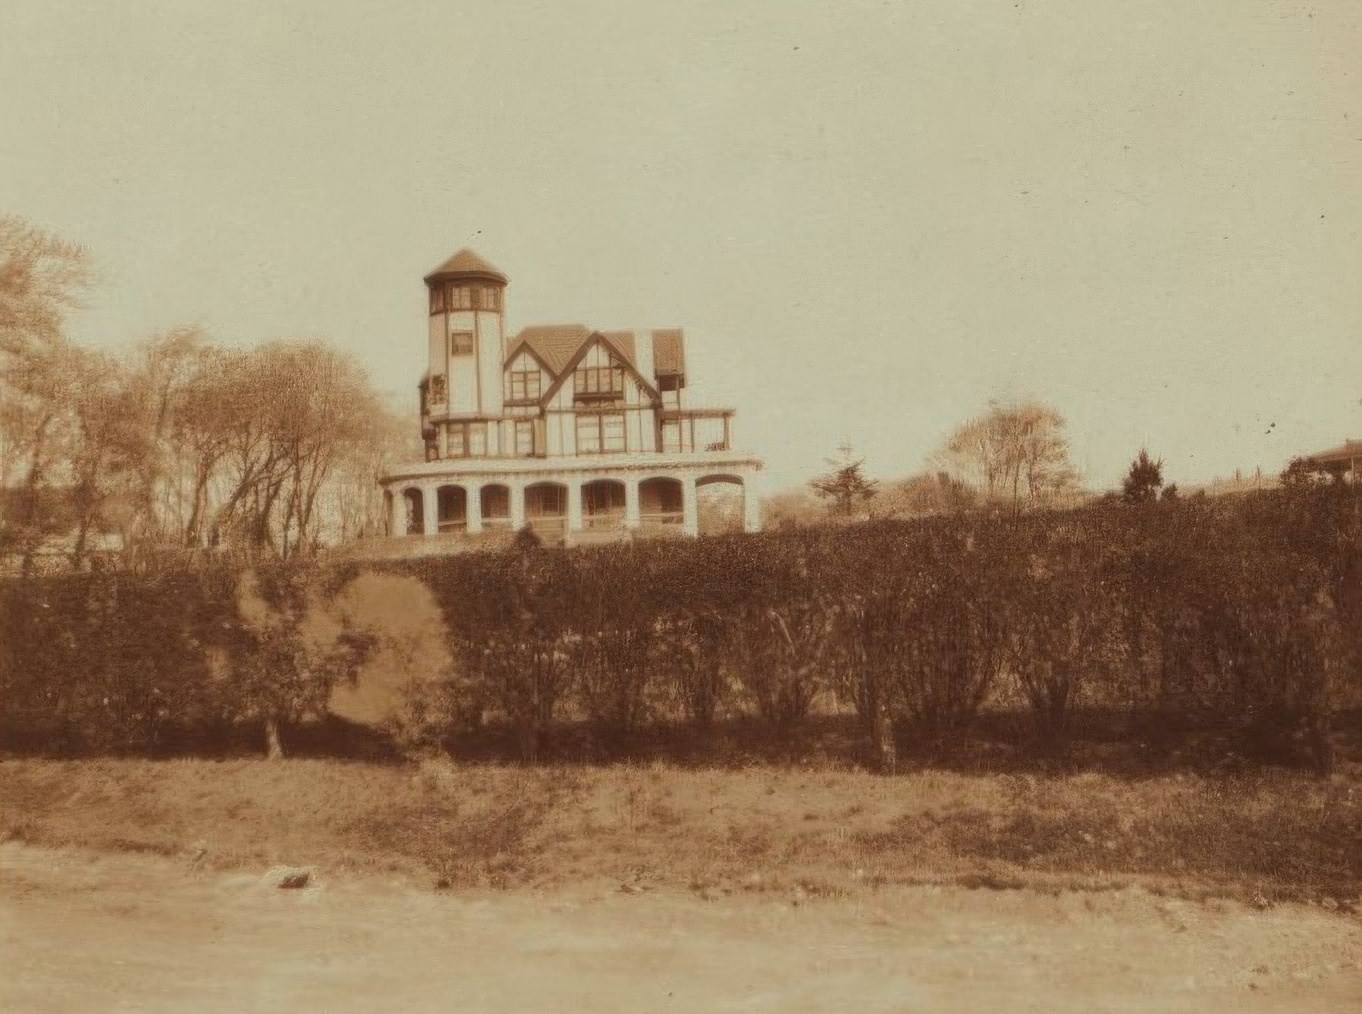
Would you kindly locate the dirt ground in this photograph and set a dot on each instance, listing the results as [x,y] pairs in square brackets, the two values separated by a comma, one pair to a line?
[83,931]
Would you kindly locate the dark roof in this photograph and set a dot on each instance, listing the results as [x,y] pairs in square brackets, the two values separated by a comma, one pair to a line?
[669,353]
[467,264]
[1348,450]
[553,344]
[556,345]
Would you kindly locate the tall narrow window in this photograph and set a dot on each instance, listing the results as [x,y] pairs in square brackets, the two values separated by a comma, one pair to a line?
[612,432]
[458,440]
[524,437]
[588,434]
[671,436]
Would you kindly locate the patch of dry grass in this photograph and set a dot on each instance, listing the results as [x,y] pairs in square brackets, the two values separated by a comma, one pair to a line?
[803,833]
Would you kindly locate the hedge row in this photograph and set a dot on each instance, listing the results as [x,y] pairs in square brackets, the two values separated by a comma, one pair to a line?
[1244,611]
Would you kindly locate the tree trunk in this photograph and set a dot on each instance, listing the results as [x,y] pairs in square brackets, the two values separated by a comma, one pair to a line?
[274,749]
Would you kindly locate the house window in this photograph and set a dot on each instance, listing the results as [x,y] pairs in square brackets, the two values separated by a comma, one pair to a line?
[600,433]
[524,437]
[488,299]
[525,385]
[671,436]
[461,343]
[460,297]
[612,432]
[600,382]
[437,299]
[467,440]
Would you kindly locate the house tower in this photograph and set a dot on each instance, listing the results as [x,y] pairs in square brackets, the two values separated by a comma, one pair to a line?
[467,338]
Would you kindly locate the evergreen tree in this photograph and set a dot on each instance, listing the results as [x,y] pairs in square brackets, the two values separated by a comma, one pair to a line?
[1144,480]
[845,487]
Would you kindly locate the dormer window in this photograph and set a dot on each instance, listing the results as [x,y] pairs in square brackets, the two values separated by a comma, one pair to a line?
[599,383]
[525,385]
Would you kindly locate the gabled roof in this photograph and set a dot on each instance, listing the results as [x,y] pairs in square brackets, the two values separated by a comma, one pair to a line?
[560,347]
[649,388]
[623,344]
[467,264]
[554,345]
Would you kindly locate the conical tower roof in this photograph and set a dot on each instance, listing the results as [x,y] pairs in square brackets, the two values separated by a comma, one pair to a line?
[466,264]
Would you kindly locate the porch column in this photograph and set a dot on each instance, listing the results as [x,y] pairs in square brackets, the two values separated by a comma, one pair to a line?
[473,508]
[690,508]
[574,505]
[397,514]
[631,518]
[751,508]
[516,495]
[430,511]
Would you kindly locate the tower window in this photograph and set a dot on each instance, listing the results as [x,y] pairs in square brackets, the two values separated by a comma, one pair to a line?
[461,343]
[460,297]
[437,299]
[488,299]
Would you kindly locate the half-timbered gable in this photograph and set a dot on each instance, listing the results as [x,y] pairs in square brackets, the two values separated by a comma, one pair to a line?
[554,402]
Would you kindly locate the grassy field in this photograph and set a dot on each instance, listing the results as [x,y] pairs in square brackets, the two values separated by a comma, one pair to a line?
[801,833]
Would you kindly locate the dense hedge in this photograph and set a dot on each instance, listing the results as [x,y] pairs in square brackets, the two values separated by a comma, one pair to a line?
[1244,613]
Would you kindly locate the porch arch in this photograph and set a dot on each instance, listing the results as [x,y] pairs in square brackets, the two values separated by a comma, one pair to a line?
[603,504]
[662,501]
[546,509]
[722,506]
[451,509]
[413,511]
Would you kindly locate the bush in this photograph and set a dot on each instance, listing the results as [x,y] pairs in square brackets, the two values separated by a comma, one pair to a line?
[1243,614]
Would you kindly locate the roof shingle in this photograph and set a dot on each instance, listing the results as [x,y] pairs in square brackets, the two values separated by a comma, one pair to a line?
[669,352]
[466,263]
[553,344]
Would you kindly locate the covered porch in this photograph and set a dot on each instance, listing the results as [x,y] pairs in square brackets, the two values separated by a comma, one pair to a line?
[634,501]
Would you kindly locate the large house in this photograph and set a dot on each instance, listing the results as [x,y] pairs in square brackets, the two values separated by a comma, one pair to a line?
[576,433]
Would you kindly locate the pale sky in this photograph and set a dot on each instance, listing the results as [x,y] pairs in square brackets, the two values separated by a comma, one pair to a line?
[870,218]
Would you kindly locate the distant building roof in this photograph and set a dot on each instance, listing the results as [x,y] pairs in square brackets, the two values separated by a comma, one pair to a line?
[467,264]
[1345,453]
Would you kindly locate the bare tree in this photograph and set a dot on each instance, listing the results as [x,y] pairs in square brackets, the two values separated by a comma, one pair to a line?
[41,280]
[1015,453]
